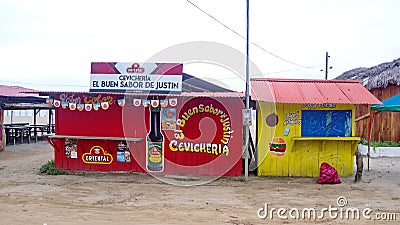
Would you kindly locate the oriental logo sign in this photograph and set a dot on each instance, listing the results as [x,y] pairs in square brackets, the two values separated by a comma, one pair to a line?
[97,155]
[209,137]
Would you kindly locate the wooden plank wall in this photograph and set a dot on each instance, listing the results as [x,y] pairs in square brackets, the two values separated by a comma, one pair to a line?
[306,157]
[386,126]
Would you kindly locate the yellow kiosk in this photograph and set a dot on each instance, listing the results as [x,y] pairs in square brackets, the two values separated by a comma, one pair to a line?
[303,123]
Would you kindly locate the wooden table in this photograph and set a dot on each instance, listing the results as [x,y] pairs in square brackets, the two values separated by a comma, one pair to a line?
[38,128]
[15,131]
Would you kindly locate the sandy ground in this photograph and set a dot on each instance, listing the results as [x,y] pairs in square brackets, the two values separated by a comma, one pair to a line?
[27,197]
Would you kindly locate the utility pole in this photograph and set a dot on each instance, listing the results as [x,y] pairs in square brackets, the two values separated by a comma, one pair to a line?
[326,66]
[247,131]
[327,56]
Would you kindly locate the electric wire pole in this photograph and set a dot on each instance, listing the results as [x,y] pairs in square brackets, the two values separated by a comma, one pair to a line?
[247,131]
[327,56]
[326,65]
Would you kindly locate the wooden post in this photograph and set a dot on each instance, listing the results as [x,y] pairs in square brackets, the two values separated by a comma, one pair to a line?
[2,131]
[21,135]
[371,123]
[34,124]
[360,166]
[50,114]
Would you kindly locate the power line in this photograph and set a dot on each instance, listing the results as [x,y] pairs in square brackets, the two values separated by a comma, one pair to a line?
[238,34]
[284,71]
[275,72]
[212,17]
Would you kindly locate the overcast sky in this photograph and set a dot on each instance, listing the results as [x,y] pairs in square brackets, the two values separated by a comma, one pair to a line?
[48,45]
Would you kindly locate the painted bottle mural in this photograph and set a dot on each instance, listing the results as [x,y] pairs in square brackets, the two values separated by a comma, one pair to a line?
[155,139]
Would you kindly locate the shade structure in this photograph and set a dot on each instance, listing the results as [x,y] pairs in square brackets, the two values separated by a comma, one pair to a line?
[391,104]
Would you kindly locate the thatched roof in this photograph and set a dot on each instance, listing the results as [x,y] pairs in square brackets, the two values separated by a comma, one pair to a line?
[379,76]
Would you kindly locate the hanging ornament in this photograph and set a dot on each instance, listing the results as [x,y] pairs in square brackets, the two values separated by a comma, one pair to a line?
[88,107]
[164,103]
[105,105]
[56,103]
[64,105]
[146,103]
[72,106]
[137,102]
[49,101]
[154,103]
[173,101]
[96,106]
[121,102]
[80,107]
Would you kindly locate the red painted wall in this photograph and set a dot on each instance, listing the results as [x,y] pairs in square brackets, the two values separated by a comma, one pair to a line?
[214,118]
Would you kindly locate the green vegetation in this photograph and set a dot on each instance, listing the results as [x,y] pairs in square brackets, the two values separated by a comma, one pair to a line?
[364,141]
[50,169]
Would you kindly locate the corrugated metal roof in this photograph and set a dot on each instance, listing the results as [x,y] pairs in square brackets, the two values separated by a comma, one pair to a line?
[15,91]
[15,97]
[302,91]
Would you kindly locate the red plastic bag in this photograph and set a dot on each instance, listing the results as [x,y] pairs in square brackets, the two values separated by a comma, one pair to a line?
[328,175]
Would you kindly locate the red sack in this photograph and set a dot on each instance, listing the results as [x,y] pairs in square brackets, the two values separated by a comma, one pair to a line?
[328,175]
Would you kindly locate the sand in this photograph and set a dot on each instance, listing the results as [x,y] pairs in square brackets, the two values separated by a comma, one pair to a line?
[28,197]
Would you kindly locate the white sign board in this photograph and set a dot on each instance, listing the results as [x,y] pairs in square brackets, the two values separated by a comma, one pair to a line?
[136,77]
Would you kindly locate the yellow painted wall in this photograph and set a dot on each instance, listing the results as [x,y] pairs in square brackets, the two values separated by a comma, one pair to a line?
[303,155]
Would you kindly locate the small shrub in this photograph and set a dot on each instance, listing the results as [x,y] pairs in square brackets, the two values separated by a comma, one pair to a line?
[380,144]
[50,169]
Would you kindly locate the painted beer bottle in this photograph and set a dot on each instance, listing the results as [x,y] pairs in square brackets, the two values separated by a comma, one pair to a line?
[155,139]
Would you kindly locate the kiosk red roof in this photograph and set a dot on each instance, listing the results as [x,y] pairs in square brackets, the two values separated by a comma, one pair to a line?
[300,91]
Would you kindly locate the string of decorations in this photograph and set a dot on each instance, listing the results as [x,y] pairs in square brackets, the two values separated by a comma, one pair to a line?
[105,105]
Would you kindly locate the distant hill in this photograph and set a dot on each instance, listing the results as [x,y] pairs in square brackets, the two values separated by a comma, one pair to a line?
[379,76]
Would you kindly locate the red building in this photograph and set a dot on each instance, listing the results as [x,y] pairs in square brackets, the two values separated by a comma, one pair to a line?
[195,132]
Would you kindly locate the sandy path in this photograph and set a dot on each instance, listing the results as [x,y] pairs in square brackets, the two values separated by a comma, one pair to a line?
[27,197]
